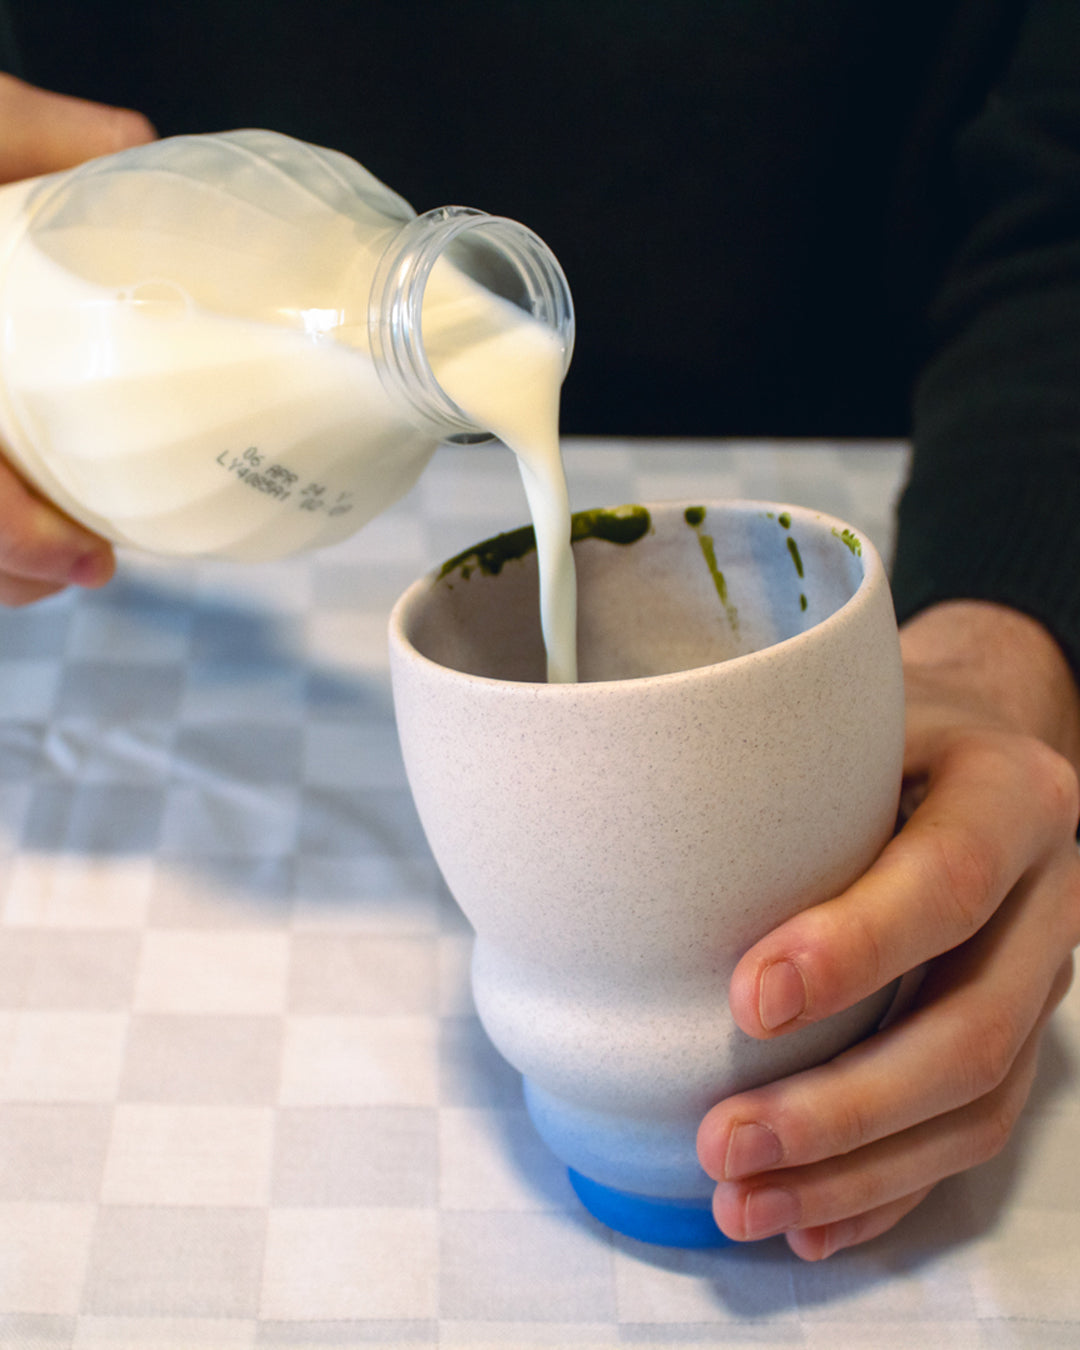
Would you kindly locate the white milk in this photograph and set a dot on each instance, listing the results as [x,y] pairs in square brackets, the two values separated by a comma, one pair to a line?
[507,378]
[168,426]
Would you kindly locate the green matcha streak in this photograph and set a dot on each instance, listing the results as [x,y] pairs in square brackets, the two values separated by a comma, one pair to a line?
[784,519]
[620,525]
[695,518]
[852,540]
[708,549]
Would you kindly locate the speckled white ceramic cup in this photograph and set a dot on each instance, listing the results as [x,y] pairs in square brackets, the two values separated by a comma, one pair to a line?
[731,755]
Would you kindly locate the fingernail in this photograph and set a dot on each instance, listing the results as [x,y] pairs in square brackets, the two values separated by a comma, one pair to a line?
[782,996]
[751,1148]
[770,1210]
[92,569]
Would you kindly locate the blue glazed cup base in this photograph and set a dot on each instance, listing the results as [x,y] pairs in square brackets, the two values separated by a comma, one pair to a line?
[666,1223]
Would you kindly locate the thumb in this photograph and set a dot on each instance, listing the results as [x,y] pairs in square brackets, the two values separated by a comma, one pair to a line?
[41,132]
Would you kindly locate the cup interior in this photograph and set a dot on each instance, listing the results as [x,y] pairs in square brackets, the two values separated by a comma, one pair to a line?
[661,588]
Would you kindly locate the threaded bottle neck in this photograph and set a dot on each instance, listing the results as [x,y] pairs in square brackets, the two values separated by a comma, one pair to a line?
[507,259]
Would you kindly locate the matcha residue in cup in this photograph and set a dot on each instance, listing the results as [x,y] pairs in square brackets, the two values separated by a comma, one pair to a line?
[491,556]
[784,519]
[695,518]
[617,525]
[851,539]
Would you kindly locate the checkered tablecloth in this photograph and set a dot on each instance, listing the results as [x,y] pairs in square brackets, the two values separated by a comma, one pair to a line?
[244,1099]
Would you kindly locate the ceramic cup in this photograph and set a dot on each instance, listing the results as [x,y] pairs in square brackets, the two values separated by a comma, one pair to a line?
[730,756]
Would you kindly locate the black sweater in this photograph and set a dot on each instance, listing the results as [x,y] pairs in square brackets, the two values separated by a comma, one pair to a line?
[778,217]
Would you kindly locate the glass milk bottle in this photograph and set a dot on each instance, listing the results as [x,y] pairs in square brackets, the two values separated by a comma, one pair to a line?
[219,344]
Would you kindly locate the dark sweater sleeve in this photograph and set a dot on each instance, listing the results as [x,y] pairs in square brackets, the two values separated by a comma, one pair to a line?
[992,507]
[9,56]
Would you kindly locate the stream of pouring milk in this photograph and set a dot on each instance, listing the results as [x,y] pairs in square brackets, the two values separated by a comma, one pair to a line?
[505,371]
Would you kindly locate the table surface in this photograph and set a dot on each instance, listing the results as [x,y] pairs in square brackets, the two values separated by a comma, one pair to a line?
[244,1098]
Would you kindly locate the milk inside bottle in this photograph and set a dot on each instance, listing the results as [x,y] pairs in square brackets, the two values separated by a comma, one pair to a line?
[244,346]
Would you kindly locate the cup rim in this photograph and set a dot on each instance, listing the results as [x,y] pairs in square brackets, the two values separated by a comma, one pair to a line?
[873,576]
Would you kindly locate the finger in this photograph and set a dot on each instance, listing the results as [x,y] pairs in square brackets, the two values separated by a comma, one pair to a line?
[935,884]
[42,550]
[878,1178]
[44,132]
[815,1244]
[974,1012]
[17,591]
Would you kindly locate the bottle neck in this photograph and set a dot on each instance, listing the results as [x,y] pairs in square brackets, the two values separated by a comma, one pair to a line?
[507,259]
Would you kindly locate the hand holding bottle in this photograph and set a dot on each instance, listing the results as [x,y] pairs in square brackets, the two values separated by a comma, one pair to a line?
[41,550]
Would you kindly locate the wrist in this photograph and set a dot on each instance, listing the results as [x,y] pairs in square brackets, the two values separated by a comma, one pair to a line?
[1003,665]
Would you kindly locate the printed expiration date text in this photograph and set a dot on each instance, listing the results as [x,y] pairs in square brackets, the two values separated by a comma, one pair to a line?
[275,480]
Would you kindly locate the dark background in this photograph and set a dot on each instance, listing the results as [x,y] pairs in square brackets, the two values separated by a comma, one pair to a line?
[742,192]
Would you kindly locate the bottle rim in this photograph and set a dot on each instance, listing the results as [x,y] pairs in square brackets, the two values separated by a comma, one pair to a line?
[395,308]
